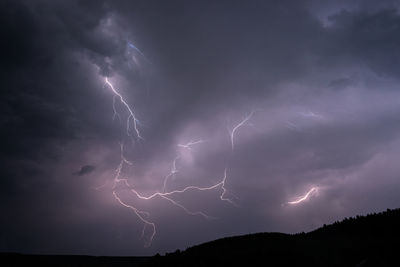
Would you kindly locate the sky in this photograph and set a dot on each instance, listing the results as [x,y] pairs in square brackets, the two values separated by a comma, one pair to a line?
[142,127]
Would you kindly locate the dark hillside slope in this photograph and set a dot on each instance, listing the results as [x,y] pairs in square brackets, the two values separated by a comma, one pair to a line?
[372,240]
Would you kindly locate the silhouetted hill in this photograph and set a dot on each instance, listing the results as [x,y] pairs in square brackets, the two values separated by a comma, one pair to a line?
[15,259]
[372,240]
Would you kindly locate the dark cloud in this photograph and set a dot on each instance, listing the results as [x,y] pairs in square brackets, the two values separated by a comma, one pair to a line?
[87,169]
[367,38]
[321,78]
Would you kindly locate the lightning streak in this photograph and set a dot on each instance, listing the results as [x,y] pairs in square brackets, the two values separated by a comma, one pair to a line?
[167,195]
[135,48]
[116,114]
[174,169]
[221,183]
[128,108]
[312,191]
[224,190]
[240,124]
[140,215]
[232,139]
[311,114]
[190,144]
[172,173]
[143,215]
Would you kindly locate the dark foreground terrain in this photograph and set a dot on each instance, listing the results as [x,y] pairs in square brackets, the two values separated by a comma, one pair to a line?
[372,240]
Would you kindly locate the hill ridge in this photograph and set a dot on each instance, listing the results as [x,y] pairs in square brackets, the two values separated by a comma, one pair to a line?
[363,240]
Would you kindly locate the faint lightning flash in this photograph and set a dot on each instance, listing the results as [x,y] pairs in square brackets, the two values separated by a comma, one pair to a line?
[190,144]
[311,114]
[128,108]
[240,124]
[312,191]
[135,48]
[172,173]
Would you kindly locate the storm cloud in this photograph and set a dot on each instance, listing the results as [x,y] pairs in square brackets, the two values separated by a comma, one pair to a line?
[321,80]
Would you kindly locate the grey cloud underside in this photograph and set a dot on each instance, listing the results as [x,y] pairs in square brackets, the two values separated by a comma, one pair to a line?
[321,78]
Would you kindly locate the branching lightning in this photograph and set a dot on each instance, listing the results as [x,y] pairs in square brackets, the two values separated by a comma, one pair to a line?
[174,169]
[131,115]
[312,191]
[172,173]
[166,195]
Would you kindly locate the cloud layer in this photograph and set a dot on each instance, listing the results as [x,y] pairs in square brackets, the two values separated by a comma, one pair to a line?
[321,79]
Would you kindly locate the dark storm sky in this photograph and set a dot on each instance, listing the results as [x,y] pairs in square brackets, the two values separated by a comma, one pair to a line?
[321,78]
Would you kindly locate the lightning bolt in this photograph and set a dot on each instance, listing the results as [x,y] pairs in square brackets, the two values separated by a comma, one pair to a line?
[311,114]
[312,191]
[174,169]
[240,124]
[131,115]
[172,173]
[165,195]
[232,139]
[140,215]
[135,48]
[143,215]
[224,190]
[190,144]
[220,184]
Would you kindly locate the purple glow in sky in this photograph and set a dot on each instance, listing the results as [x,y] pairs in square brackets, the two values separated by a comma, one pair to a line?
[137,127]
